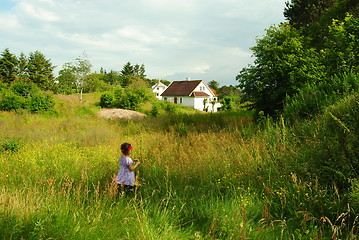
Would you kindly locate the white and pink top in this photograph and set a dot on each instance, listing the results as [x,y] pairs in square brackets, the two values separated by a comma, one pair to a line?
[125,175]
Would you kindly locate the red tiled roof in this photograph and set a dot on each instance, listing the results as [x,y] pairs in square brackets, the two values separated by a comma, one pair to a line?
[181,88]
[199,94]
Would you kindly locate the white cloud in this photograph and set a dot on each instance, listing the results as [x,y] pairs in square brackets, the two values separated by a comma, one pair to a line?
[37,12]
[201,69]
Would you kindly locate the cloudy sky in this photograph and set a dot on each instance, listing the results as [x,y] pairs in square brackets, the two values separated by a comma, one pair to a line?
[174,39]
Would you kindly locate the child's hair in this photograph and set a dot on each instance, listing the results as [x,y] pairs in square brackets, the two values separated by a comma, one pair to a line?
[125,148]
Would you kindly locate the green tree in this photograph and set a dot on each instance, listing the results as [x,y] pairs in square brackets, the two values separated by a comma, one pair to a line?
[106,100]
[112,77]
[341,53]
[302,13]
[73,75]
[152,82]
[283,64]
[214,84]
[134,70]
[313,17]
[94,83]
[40,70]
[66,81]
[139,70]
[22,66]
[227,103]
[127,69]
[228,90]
[8,64]
[82,68]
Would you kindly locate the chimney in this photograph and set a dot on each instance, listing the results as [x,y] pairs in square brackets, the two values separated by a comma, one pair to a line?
[188,79]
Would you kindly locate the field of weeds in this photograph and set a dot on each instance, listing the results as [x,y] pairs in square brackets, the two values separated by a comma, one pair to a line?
[202,176]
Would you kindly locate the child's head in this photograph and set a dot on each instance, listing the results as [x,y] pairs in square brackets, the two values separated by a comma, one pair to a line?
[125,148]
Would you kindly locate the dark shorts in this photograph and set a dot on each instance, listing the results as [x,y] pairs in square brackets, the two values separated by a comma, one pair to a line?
[126,188]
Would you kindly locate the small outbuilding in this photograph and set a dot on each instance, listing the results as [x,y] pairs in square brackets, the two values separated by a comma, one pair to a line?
[158,89]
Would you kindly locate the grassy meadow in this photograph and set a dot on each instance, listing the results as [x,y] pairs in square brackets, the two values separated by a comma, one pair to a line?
[202,176]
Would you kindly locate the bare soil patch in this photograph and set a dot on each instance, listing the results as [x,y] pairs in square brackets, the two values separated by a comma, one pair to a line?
[121,114]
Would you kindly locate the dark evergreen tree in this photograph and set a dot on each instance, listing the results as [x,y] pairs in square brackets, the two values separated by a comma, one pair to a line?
[8,64]
[40,70]
[22,67]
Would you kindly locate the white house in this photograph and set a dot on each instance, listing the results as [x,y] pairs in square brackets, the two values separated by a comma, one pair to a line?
[158,89]
[192,93]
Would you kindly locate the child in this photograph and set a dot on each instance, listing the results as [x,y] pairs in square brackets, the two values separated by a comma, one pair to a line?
[126,176]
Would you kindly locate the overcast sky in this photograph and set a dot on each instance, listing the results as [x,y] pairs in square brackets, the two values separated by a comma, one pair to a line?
[174,39]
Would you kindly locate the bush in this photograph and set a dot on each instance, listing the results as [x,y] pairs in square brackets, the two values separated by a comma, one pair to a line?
[25,95]
[106,100]
[3,86]
[353,195]
[315,97]
[227,103]
[171,108]
[11,102]
[25,89]
[40,103]
[154,111]
[333,154]
[129,100]
[119,92]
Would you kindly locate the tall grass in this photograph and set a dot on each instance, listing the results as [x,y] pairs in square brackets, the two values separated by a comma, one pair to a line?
[207,176]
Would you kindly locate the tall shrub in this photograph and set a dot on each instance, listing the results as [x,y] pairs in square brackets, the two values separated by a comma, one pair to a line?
[313,98]
[333,155]
[106,100]
[11,102]
[25,89]
[40,103]
[25,95]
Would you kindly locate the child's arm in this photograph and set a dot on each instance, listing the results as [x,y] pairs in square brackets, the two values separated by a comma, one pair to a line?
[133,167]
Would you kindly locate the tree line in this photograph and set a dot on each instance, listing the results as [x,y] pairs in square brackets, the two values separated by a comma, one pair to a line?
[318,42]
[73,77]
[77,77]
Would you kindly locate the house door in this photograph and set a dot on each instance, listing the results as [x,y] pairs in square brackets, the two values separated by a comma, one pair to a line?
[175,100]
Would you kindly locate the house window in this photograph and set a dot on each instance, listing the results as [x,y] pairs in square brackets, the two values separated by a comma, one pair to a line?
[165,98]
[180,100]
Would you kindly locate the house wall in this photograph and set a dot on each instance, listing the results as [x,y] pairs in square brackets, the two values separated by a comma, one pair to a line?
[158,91]
[186,101]
[198,103]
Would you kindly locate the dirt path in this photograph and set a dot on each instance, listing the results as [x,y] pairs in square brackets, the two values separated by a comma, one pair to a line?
[115,113]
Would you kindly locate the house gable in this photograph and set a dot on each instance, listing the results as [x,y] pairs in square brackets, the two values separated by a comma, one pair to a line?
[159,85]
